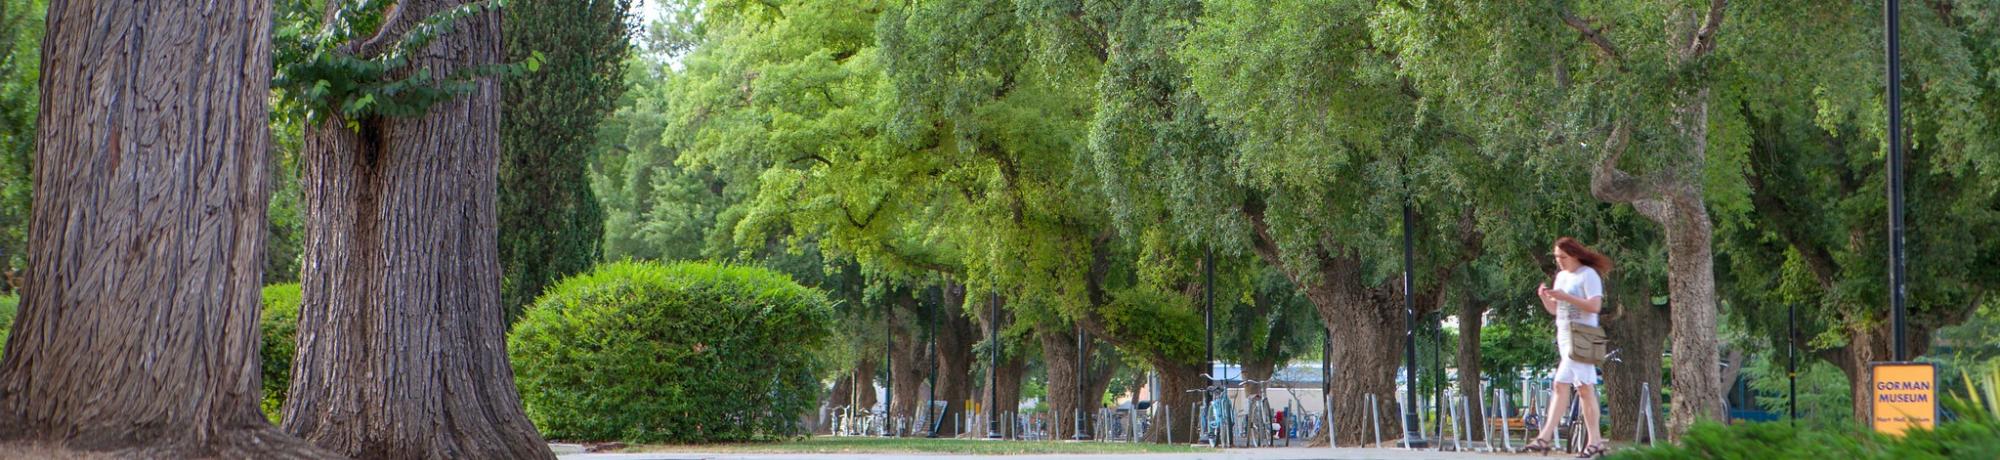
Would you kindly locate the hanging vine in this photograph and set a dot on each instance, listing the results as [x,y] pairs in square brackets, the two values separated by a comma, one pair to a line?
[353,62]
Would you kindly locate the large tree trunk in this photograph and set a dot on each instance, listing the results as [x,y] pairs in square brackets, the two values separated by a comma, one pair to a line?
[1368,331]
[1367,323]
[907,363]
[1675,203]
[1470,315]
[1639,330]
[1871,344]
[1008,398]
[1698,388]
[955,337]
[137,334]
[1672,196]
[1000,394]
[1059,358]
[401,349]
[1176,398]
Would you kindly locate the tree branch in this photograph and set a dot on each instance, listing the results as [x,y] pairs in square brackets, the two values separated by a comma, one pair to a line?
[1595,36]
[1611,185]
[1704,39]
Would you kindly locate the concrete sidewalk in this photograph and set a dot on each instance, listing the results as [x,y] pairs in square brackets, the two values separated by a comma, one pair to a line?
[1227,454]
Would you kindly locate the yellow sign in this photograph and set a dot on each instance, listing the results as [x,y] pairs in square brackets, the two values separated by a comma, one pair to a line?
[1904,396]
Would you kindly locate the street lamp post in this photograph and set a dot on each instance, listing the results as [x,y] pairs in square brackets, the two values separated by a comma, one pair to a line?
[930,334]
[1895,170]
[1080,356]
[889,357]
[1412,423]
[1208,320]
[993,369]
[1792,362]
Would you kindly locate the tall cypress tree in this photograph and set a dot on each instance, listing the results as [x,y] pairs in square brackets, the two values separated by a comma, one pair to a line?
[551,225]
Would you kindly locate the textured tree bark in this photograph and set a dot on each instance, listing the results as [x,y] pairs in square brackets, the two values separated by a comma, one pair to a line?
[1059,356]
[1639,330]
[137,336]
[1367,323]
[1013,368]
[1672,197]
[401,350]
[1675,203]
[910,369]
[1176,381]
[1470,315]
[1871,344]
[1368,333]
[954,341]
[1698,389]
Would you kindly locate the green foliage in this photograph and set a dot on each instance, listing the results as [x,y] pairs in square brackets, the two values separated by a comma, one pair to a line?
[1159,323]
[321,75]
[9,305]
[551,224]
[1974,439]
[21,26]
[1823,397]
[278,325]
[684,353]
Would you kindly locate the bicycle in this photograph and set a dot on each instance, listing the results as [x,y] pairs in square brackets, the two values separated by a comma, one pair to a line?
[1573,431]
[1289,428]
[1218,422]
[1257,417]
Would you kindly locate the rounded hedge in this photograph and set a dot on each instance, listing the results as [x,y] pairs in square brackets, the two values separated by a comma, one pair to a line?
[684,353]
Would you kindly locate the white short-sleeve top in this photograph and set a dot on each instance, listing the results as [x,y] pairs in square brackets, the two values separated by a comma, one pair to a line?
[1582,283]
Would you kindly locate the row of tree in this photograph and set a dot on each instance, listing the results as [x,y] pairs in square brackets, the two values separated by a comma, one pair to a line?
[1085,162]
[155,150]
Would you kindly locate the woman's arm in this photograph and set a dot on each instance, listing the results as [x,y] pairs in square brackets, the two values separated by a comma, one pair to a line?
[1590,305]
[1548,303]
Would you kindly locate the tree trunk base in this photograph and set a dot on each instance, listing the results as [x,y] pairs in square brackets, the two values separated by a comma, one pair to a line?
[260,443]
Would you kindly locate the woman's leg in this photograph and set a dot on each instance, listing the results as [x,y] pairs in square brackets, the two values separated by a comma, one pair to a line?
[1588,395]
[1557,403]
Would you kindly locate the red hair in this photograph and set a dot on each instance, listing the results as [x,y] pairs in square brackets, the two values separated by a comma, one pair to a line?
[1583,255]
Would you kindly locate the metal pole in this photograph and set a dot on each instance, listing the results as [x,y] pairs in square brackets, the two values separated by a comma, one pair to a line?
[1208,317]
[930,416]
[993,369]
[1506,408]
[1326,385]
[1080,356]
[889,357]
[1792,363]
[1437,365]
[1375,414]
[1412,424]
[1895,167]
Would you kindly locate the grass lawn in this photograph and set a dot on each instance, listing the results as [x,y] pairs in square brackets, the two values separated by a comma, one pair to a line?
[860,445]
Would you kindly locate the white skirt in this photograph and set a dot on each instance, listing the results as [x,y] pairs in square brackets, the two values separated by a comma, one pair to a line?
[1575,373]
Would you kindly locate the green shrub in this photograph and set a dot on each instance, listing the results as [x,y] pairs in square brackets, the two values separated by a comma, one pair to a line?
[1977,438]
[279,325]
[686,353]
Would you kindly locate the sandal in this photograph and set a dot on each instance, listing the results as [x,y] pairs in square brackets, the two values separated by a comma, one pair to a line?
[1594,450]
[1538,445]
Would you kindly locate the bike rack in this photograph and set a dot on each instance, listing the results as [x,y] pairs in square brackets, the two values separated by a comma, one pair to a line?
[1645,411]
[1375,416]
[1506,436]
[1457,434]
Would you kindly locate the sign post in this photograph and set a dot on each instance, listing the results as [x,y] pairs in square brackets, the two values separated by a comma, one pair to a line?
[1904,396]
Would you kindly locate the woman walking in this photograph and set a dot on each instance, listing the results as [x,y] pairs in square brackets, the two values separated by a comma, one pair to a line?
[1575,300]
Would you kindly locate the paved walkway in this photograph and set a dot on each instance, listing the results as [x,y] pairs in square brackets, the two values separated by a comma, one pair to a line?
[1229,454]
